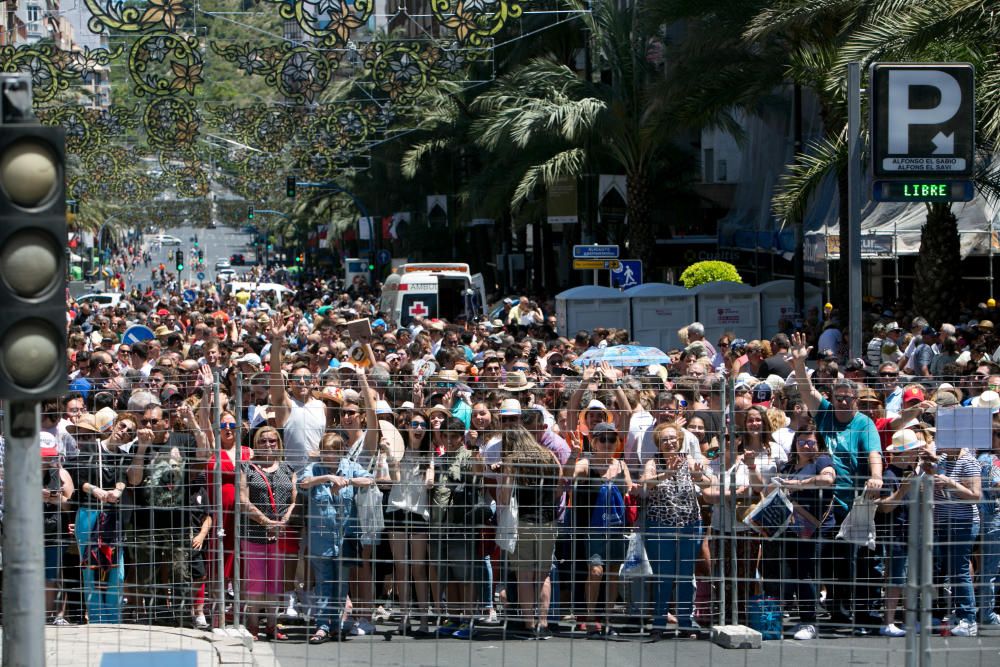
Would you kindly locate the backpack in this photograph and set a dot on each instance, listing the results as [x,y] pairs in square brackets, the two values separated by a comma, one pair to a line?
[165,483]
[609,508]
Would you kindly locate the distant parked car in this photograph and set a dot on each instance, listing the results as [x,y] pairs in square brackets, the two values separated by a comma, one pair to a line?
[237,260]
[225,274]
[166,239]
[222,263]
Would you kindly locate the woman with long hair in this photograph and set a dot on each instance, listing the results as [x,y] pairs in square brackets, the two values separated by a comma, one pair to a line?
[806,475]
[531,473]
[670,482]
[331,523]
[267,497]
[408,516]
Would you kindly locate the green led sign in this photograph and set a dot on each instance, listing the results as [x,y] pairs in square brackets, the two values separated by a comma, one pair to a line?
[922,190]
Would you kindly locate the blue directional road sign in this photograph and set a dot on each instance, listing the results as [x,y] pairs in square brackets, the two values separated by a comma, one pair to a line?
[201,275]
[189,295]
[383,257]
[595,252]
[137,333]
[628,274]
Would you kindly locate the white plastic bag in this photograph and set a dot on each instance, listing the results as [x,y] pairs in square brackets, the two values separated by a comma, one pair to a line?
[636,561]
[771,516]
[859,524]
[371,517]
[506,537]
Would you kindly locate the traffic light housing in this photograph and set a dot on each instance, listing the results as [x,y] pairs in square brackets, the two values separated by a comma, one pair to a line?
[300,258]
[179,258]
[371,262]
[250,212]
[290,186]
[33,244]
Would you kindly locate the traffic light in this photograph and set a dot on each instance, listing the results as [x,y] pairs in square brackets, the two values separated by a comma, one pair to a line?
[300,258]
[179,257]
[371,262]
[290,186]
[33,243]
[250,212]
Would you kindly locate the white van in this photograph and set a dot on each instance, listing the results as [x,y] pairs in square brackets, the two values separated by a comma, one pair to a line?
[432,290]
[270,291]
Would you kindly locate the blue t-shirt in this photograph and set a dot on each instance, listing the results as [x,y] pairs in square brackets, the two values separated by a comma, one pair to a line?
[849,445]
[329,515]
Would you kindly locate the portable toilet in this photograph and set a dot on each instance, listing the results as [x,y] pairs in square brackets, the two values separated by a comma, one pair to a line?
[590,306]
[777,302]
[728,306]
[658,311]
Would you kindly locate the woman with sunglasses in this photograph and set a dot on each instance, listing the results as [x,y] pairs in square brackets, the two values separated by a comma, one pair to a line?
[100,471]
[222,460]
[332,524]
[670,482]
[408,515]
[600,482]
[806,477]
[267,497]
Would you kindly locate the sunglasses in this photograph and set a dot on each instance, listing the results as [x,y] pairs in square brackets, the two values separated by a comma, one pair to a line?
[149,421]
[889,375]
[712,453]
[227,426]
[418,424]
[350,413]
[811,443]
[843,399]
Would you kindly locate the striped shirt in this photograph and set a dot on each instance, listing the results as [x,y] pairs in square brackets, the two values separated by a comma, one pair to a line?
[948,507]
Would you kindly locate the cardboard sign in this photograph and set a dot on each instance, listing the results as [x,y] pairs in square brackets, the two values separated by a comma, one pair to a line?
[360,330]
[964,427]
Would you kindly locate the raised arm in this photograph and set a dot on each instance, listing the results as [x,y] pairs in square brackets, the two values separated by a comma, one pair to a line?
[800,351]
[281,403]
[368,399]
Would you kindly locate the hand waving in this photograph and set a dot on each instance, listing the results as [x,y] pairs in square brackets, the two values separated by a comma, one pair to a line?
[800,350]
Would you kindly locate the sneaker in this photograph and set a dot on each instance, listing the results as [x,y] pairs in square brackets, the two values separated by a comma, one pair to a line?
[423,629]
[490,618]
[447,627]
[59,620]
[542,633]
[362,628]
[892,630]
[380,615]
[291,612]
[991,618]
[464,631]
[805,633]
[965,629]
[200,623]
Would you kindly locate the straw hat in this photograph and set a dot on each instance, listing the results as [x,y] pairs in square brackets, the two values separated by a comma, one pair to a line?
[105,417]
[87,423]
[988,399]
[903,440]
[517,381]
[439,408]
[510,407]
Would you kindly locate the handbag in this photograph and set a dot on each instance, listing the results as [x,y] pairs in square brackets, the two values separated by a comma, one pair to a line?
[506,537]
[858,526]
[371,513]
[636,561]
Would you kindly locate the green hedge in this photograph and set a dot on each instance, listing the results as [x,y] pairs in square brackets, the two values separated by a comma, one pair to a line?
[700,273]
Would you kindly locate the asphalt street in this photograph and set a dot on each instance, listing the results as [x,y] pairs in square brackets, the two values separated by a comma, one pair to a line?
[219,243]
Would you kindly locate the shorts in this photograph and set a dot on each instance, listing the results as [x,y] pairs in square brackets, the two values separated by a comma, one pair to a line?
[534,548]
[452,551]
[897,565]
[53,563]
[606,550]
[402,521]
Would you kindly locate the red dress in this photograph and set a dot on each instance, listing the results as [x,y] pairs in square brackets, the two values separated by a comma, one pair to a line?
[228,505]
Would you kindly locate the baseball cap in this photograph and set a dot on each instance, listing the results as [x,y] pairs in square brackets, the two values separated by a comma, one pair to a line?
[603,427]
[249,358]
[913,394]
[762,394]
[382,408]
[928,331]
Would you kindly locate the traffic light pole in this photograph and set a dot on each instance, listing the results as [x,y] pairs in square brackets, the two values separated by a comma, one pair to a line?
[23,551]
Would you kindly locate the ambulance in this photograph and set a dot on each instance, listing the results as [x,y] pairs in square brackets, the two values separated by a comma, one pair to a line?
[432,290]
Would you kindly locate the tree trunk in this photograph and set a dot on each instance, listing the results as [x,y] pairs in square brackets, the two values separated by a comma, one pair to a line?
[937,288]
[641,231]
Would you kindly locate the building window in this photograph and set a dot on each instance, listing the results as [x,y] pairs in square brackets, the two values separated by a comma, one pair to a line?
[722,171]
[708,165]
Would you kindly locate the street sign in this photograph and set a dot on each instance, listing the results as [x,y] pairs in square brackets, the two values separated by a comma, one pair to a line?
[603,264]
[923,190]
[595,252]
[383,257]
[189,295]
[923,119]
[137,333]
[201,275]
[628,274]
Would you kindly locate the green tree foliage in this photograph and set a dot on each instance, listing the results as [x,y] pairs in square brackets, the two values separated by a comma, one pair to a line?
[937,290]
[710,271]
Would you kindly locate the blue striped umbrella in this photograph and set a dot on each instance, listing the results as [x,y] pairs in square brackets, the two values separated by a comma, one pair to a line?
[623,355]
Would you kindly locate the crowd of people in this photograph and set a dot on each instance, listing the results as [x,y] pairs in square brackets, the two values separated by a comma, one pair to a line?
[263,461]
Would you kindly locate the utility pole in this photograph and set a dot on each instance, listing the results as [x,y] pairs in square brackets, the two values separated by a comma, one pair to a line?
[854,185]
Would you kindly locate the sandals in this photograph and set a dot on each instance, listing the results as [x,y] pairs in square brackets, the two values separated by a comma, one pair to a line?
[276,635]
[319,637]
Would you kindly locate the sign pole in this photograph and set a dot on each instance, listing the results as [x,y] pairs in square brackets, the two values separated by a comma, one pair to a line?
[854,185]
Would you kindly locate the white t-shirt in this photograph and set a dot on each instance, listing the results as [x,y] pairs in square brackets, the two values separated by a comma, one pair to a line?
[767,465]
[303,430]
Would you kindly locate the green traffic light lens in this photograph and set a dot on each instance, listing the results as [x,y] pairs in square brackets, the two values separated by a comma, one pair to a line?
[30,263]
[29,173]
[30,353]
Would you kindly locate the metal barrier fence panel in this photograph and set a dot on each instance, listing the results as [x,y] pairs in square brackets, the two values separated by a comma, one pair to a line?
[619,517]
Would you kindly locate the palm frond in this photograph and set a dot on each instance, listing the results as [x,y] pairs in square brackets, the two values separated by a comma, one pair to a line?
[410,163]
[804,175]
[566,163]
[798,16]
